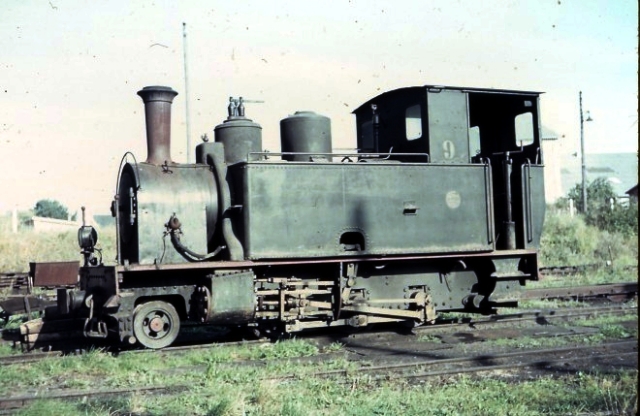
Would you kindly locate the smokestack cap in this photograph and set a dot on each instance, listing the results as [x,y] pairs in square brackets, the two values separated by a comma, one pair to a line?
[157,93]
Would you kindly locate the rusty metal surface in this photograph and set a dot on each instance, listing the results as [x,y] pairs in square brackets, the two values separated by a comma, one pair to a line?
[157,107]
[52,274]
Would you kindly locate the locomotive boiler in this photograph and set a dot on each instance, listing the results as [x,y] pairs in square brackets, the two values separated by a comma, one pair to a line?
[440,208]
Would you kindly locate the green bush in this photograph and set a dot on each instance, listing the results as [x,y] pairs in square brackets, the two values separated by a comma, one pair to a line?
[570,240]
[621,219]
[566,240]
[50,208]
[604,235]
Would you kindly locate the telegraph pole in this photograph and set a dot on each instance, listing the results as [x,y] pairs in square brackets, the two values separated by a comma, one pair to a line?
[584,163]
[186,90]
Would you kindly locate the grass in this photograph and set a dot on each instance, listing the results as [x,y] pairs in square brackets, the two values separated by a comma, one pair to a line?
[609,319]
[17,250]
[607,333]
[610,329]
[616,331]
[293,348]
[13,322]
[463,395]
[228,389]
[223,386]
[548,304]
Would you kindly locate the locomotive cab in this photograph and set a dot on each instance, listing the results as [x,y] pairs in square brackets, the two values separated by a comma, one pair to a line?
[460,126]
[451,125]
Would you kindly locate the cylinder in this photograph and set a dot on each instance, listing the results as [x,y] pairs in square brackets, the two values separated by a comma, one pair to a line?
[240,137]
[305,132]
[157,110]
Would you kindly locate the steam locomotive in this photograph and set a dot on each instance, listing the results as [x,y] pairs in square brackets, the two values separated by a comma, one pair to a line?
[439,209]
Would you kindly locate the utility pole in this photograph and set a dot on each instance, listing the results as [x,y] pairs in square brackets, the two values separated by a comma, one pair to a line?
[584,163]
[186,90]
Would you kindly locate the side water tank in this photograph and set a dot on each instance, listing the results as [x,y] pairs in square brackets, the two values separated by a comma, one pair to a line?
[305,132]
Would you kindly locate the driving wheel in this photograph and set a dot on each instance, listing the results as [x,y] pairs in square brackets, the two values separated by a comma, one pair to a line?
[156,324]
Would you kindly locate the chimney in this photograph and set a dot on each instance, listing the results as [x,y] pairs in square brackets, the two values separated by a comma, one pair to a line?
[157,111]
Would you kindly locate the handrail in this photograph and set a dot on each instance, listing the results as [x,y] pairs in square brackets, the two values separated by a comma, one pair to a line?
[361,155]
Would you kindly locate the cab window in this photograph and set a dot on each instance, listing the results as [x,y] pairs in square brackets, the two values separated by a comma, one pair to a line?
[524,129]
[413,122]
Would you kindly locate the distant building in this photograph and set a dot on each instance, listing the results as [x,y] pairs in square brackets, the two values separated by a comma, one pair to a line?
[42,224]
[552,165]
[563,166]
[633,194]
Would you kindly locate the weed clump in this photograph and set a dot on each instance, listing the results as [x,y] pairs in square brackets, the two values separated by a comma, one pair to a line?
[17,250]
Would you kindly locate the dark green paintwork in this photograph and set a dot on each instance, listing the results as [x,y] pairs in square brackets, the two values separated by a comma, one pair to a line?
[533,207]
[448,126]
[188,191]
[232,297]
[303,209]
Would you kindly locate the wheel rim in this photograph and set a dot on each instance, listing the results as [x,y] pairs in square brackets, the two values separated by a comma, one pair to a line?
[156,324]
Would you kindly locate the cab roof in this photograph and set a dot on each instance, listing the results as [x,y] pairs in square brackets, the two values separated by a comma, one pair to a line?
[400,91]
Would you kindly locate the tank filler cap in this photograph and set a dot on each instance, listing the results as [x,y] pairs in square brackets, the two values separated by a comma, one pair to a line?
[236,107]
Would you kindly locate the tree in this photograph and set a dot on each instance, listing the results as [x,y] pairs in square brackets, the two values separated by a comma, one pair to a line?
[50,208]
[599,192]
[621,218]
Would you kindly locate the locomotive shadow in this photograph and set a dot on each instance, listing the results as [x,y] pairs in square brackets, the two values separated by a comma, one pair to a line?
[382,345]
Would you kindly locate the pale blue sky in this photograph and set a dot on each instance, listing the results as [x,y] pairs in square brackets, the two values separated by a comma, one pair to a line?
[69,72]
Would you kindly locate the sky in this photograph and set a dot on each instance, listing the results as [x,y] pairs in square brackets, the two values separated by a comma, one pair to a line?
[70,70]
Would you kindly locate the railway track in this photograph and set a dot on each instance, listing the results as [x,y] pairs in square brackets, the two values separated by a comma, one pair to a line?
[14,282]
[372,358]
[8,405]
[618,291]
[539,317]
[573,270]
[57,331]
[482,363]
[28,358]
